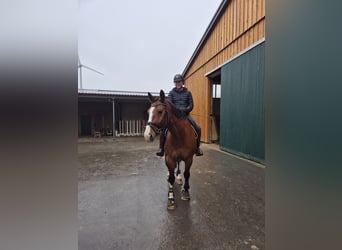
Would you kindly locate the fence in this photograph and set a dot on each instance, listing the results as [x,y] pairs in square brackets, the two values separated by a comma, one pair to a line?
[131,128]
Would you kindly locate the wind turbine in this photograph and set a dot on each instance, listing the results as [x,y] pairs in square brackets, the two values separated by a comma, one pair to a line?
[80,65]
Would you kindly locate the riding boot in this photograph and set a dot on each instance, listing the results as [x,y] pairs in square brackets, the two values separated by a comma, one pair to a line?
[161,144]
[198,150]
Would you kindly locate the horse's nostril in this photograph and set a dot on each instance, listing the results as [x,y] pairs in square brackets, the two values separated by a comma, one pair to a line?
[151,138]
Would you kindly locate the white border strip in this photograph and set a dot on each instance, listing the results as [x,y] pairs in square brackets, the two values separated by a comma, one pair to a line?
[236,56]
[256,164]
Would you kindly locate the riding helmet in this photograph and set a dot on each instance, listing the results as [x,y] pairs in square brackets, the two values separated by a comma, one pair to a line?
[178,77]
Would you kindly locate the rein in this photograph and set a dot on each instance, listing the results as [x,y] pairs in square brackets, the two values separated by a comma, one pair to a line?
[155,127]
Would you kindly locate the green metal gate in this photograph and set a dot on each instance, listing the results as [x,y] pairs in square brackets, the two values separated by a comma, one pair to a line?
[242,126]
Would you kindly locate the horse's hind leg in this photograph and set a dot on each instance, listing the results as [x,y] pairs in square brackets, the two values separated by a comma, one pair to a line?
[185,192]
[179,175]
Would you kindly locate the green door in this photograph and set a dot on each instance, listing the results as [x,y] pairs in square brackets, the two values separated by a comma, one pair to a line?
[242,125]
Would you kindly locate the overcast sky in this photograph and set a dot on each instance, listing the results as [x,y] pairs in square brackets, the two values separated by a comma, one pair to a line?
[139,45]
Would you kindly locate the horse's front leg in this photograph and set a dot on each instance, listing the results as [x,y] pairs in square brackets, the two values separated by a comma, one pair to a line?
[171,195]
[185,192]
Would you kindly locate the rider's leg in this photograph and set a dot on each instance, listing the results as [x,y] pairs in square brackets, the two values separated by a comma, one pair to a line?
[199,151]
[198,131]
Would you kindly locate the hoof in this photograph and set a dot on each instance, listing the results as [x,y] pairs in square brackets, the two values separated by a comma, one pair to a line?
[185,195]
[171,205]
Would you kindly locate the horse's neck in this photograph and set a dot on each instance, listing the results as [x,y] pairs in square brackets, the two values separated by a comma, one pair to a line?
[176,127]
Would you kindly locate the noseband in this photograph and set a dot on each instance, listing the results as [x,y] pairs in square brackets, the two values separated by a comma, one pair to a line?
[156,128]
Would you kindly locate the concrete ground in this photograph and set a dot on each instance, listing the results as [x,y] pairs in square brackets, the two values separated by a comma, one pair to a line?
[122,201]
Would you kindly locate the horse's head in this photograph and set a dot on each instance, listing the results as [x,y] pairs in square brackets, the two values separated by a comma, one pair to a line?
[157,116]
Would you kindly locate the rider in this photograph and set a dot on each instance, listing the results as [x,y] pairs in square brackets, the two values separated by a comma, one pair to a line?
[181,97]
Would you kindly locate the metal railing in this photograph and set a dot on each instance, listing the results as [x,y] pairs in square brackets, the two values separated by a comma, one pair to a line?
[131,128]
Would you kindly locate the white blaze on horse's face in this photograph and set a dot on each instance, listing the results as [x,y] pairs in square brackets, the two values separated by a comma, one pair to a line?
[149,132]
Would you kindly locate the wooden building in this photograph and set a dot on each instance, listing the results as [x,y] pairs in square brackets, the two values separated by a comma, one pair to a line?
[226,77]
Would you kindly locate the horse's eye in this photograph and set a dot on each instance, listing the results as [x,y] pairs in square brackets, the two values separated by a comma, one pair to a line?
[160,112]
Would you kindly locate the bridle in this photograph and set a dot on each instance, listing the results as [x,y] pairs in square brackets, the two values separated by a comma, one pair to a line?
[156,128]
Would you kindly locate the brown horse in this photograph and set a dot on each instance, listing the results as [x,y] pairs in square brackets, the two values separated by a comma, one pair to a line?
[180,142]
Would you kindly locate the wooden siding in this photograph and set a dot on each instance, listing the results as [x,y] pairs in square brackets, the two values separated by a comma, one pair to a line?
[241,25]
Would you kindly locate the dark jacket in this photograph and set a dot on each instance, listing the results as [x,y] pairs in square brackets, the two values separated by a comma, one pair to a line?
[181,99]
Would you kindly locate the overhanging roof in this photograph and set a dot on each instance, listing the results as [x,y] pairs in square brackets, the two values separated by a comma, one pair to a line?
[116,94]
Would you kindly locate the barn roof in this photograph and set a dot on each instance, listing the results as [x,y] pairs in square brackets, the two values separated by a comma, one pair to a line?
[110,92]
[97,93]
[220,10]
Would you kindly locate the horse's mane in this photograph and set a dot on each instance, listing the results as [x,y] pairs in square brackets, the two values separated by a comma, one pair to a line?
[176,111]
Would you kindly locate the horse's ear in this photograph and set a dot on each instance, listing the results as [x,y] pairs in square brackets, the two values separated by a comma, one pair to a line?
[150,97]
[162,96]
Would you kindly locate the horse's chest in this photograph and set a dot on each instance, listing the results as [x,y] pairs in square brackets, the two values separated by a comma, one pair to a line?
[179,154]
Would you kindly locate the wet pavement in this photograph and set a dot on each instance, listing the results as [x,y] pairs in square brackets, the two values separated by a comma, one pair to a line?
[122,201]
